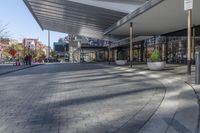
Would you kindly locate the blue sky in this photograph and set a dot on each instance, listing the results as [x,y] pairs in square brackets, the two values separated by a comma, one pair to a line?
[21,24]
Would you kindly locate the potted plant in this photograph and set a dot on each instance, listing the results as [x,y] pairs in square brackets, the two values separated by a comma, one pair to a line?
[156,63]
[121,58]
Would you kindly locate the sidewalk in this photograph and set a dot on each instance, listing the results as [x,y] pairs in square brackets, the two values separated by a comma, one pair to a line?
[179,111]
[8,68]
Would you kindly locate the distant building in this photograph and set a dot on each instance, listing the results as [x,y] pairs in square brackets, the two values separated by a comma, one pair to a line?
[61,48]
[45,48]
[32,43]
[84,49]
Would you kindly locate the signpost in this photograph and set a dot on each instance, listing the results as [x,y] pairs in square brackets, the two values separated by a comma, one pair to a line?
[188,5]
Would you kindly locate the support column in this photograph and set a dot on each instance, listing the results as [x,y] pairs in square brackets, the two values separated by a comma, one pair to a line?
[166,49]
[193,44]
[163,51]
[142,52]
[109,54]
[115,54]
[146,51]
[131,44]
[189,41]
[154,42]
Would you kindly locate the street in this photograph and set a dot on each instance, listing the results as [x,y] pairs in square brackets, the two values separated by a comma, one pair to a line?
[77,98]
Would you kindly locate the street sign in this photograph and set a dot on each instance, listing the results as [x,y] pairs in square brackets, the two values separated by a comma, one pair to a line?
[188,4]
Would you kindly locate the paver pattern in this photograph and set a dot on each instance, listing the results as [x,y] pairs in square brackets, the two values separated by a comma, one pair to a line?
[77,98]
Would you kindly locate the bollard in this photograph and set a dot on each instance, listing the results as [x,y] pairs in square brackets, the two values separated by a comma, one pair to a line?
[197,68]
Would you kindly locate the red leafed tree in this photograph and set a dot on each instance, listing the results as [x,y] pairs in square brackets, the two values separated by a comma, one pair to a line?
[12,52]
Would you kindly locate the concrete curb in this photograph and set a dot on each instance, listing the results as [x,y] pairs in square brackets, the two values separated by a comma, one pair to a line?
[179,110]
[11,71]
[198,97]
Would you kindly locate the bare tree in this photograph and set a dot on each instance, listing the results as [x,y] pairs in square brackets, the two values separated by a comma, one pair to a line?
[3,31]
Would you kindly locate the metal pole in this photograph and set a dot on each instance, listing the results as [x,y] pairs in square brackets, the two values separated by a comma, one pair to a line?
[189,41]
[109,54]
[166,51]
[146,52]
[48,54]
[193,44]
[131,44]
[24,48]
[197,69]
[154,40]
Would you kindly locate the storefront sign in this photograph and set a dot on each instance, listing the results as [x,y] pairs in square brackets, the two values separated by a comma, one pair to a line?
[188,4]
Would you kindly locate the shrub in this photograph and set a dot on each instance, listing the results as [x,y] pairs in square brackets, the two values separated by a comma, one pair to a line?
[155,56]
[122,55]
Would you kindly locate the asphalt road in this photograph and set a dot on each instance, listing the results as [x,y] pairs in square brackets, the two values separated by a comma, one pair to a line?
[76,98]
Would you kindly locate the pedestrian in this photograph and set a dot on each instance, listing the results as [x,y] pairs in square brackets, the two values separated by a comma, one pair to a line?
[29,59]
[26,59]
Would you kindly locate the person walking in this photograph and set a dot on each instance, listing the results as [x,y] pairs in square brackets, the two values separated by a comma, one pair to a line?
[26,59]
[29,59]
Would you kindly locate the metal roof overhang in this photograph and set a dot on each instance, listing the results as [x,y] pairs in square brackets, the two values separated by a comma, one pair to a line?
[156,17]
[72,17]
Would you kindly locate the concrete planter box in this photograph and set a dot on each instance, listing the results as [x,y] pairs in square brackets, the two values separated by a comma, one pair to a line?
[155,66]
[121,62]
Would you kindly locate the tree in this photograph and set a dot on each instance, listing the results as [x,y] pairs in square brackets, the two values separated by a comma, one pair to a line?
[12,52]
[3,31]
[54,55]
[39,55]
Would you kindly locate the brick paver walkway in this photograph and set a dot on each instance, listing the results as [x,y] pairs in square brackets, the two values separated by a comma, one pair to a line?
[76,98]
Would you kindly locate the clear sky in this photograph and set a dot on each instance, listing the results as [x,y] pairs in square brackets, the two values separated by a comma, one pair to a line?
[21,24]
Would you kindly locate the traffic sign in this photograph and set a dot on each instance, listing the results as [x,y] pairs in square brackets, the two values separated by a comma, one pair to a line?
[188,4]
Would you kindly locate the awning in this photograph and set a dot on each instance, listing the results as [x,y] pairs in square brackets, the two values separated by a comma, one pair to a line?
[156,17]
[80,17]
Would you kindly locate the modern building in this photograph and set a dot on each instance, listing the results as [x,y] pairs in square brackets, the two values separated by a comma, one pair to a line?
[32,43]
[45,49]
[139,26]
[85,49]
[61,48]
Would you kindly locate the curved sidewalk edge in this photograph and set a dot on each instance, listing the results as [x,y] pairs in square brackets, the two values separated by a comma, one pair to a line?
[18,69]
[179,111]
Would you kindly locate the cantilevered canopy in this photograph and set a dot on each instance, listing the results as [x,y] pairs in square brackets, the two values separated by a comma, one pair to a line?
[80,17]
[156,17]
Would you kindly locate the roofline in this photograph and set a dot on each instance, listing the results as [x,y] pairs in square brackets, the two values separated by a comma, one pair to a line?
[32,13]
[145,7]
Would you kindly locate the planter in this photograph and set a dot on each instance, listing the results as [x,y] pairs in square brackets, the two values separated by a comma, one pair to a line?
[156,65]
[121,62]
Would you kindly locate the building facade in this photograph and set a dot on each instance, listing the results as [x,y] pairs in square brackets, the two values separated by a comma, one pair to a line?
[62,49]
